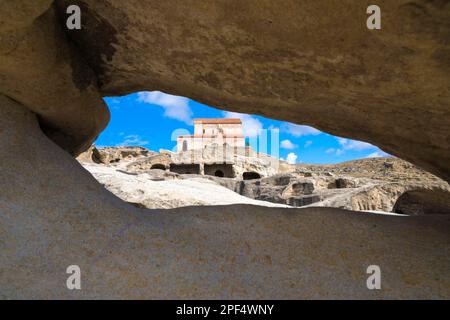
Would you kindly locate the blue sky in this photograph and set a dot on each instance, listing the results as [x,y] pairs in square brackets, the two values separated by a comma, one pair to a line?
[154,119]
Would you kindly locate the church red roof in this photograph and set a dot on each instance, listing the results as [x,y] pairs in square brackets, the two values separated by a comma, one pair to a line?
[210,136]
[218,120]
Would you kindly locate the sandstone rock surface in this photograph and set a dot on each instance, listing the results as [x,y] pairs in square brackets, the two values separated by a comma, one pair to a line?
[42,70]
[307,62]
[288,60]
[54,214]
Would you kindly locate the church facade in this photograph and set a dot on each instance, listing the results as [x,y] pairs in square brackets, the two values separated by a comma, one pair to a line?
[219,132]
[218,148]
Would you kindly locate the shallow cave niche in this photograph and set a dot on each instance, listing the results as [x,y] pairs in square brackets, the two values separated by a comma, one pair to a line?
[339,184]
[221,170]
[420,202]
[302,188]
[250,175]
[303,200]
[185,168]
[159,166]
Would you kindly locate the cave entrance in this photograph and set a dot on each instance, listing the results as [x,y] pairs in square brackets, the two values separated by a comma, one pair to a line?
[251,175]
[185,168]
[159,166]
[222,170]
[260,153]
[420,202]
[339,183]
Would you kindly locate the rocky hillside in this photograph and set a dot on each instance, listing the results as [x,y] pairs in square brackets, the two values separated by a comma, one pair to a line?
[158,189]
[373,184]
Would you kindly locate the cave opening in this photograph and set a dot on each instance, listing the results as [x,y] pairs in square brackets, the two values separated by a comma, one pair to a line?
[221,170]
[420,202]
[159,166]
[185,168]
[248,154]
[251,175]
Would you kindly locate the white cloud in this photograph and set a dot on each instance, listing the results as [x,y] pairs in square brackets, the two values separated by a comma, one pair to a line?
[299,130]
[252,126]
[337,152]
[355,145]
[287,144]
[308,143]
[348,144]
[291,158]
[378,154]
[375,154]
[133,140]
[175,107]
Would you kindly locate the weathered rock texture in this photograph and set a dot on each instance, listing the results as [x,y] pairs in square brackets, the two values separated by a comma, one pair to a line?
[423,201]
[311,62]
[54,214]
[304,61]
[41,69]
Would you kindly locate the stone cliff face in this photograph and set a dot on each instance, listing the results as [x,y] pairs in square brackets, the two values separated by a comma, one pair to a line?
[311,62]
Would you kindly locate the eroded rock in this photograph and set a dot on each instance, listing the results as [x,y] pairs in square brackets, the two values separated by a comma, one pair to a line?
[289,61]
[313,62]
[54,214]
[42,70]
[422,201]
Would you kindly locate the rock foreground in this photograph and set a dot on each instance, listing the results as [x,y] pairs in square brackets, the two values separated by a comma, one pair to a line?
[287,60]
[373,184]
[55,214]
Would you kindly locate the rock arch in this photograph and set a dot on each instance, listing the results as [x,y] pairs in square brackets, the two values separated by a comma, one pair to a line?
[423,201]
[311,74]
[118,64]
[298,94]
